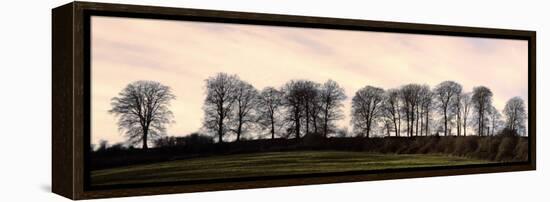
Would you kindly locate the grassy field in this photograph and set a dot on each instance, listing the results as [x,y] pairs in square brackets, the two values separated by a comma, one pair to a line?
[268,164]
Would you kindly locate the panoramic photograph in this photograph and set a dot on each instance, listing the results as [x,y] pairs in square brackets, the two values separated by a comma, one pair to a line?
[184,101]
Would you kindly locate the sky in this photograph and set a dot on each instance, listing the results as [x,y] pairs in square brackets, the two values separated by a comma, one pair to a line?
[182,54]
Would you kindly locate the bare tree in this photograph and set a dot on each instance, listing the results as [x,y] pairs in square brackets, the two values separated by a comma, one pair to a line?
[142,111]
[218,105]
[392,109]
[310,98]
[410,96]
[447,93]
[481,102]
[293,100]
[331,98]
[426,100]
[245,103]
[466,100]
[515,114]
[301,98]
[269,104]
[366,108]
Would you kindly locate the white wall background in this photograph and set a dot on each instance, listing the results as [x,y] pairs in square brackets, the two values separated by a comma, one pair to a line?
[25,101]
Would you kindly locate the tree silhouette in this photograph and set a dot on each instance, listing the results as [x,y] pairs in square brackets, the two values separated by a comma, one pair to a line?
[302,107]
[220,97]
[447,94]
[392,109]
[142,111]
[366,108]
[245,102]
[481,102]
[410,96]
[515,113]
[310,100]
[269,105]
[293,100]
[426,97]
[331,98]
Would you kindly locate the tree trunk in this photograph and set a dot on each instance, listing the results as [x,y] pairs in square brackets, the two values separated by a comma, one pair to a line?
[458,123]
[411,130]
[479,130]
[272,127]
[421,120]
[239,130]
[412,121]
[220,130]
[445,117]
[314,124]
[483,124]
[144,146]
[408,123]
[464,121]
[395,126]
[325,125]
[325,130]
[479,124]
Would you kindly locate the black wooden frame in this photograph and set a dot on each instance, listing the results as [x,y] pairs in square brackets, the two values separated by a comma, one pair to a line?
[71,96]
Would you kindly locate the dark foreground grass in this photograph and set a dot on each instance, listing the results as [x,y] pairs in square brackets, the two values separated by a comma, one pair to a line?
[269,164]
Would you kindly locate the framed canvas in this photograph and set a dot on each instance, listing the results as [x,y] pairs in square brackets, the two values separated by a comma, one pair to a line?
[156,100]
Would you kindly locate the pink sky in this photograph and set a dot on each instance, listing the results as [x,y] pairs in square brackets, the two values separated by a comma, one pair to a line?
[182,54]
